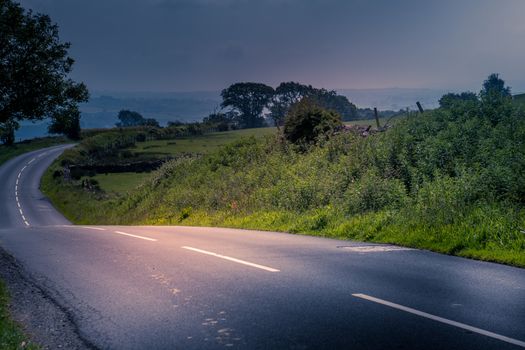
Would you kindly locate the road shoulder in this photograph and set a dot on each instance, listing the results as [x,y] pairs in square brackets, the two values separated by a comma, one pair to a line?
[43,320]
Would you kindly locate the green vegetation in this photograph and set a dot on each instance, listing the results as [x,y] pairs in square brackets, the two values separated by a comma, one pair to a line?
[198,144]
[11,336]
[449,180]
[34,66]
[519,100]
[119,183]
[8,152]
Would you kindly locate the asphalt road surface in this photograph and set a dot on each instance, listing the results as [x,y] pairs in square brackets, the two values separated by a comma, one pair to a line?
[137,287]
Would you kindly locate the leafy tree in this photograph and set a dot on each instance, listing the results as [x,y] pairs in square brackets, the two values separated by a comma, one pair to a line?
[7,133]
[447,101]
[131,118]
[496,98]
[249,100]
[290,93]
[307,122]
[329,99]
[286,95]
[34,65]
[67,123]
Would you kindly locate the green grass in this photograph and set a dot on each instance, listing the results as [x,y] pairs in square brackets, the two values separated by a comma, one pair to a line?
[8,152]
[120,183]
[11,335]
[446,182]
[198,144]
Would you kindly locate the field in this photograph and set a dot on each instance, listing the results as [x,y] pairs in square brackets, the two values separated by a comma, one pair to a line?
[198,144]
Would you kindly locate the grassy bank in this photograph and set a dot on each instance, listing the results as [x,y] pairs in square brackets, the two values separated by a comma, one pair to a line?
[11,336]
[448,181]
[8,152]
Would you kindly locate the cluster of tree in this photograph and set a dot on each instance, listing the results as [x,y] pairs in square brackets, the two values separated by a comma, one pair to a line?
[132,118]
[248,101]
[494,99]
[34,68]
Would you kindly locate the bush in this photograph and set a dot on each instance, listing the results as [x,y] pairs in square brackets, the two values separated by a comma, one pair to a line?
[308,122]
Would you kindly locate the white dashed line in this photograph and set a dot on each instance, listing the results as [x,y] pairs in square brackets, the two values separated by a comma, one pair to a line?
[16,190]
[442,320]
[94,228]
[135,236]
[262,267]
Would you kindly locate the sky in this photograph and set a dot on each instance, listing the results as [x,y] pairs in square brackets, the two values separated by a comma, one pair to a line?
[206,45]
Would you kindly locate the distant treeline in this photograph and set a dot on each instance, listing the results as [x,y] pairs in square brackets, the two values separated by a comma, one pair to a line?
[252,105]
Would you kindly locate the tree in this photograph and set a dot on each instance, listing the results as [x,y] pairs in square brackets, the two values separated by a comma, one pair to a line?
[449,100]
[307,122]
[329,99]
[67,123]
[222,121]
[131,118]
[496,98]
[286,95]
[289,93]
[34,68]
[249,100]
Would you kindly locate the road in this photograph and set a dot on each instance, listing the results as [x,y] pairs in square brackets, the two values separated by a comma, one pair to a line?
[139,287]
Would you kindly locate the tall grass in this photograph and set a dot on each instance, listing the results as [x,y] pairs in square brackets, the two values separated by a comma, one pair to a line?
[450,181]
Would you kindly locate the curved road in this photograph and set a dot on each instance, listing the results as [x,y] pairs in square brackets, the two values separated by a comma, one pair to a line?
[210,288]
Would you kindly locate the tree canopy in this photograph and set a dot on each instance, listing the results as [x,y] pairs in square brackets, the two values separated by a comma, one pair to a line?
[34,68]
[449,100]
[249,101]
[131,118]
[289,93]
[495,98]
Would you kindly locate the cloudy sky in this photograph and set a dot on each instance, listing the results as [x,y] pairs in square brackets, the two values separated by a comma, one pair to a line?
[192,45]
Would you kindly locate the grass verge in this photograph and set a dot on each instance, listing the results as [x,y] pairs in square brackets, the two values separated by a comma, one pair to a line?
[11,336]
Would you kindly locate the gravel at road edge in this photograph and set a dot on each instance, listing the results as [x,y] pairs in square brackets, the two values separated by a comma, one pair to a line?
[45,322]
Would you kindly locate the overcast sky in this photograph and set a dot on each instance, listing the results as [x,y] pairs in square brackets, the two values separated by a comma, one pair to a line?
[191,45]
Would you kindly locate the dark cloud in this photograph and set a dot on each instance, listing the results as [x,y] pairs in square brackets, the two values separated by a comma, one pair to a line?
[168,45]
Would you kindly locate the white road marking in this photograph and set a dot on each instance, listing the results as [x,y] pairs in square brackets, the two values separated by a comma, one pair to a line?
[442,320]
[135,236]
[262,267]
[94,228]
[373,248]
[16,192]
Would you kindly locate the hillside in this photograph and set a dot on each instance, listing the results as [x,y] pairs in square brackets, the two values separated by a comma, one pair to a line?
[445,181]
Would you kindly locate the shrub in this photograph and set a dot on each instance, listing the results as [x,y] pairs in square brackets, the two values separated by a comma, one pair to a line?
[307,122]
